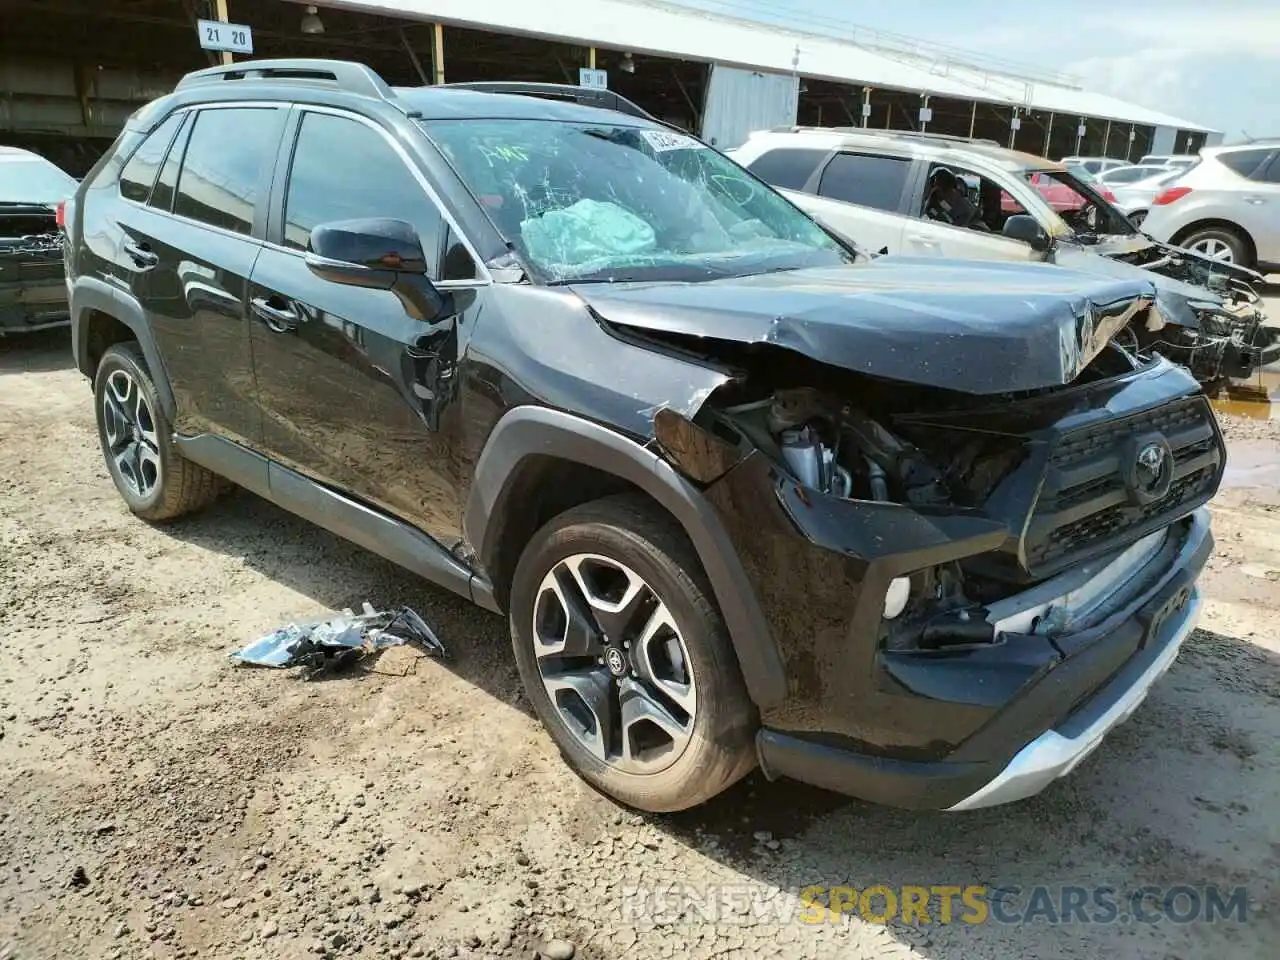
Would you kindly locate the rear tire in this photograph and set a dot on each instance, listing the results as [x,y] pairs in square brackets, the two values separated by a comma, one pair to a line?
[1219,243]
[154,479]
[657,717]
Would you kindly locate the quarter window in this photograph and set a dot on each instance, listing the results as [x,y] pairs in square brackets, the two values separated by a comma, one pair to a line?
[140,172]
[787,169]
[222,171]
[1243,162]
[344,170]
[1271,172]
[162,192]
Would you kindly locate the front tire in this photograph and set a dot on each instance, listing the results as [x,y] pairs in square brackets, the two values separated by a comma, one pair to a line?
[153,478]
[627,660]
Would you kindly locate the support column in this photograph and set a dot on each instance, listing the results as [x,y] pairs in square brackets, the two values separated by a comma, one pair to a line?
[1014,123]
[1106,140]
[973,118]
[866,106]
[437,52]
[1133,133]
[924,105]
[591,58]
[220,11]
[1048,134]
[1080,135]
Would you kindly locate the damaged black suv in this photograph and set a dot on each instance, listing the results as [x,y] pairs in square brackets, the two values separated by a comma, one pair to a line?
[915,530]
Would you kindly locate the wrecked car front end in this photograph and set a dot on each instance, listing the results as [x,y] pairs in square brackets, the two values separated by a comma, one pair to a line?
[973,523]
[1210,317]
[33,292]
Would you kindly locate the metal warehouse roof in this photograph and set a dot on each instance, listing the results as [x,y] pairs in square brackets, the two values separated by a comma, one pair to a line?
[667,30]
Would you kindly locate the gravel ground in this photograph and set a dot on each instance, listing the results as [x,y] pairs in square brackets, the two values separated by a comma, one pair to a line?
[157,802]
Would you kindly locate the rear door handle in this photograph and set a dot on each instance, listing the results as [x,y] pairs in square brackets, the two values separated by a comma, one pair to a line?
[1256,201]
[141,254]
[280,320]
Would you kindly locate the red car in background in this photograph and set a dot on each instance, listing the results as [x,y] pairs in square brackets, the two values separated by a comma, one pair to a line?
[1060,196]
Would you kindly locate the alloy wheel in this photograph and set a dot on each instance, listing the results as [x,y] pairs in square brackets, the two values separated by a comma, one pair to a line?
[129,426]
[614,663]
[1214,249]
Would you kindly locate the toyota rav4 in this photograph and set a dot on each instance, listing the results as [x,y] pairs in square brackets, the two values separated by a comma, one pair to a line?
[917,530]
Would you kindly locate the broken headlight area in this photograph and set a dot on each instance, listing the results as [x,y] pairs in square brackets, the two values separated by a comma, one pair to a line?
[1228,343]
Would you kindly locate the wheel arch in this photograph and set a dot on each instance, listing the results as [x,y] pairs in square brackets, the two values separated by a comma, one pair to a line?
[530,445]
[102,315]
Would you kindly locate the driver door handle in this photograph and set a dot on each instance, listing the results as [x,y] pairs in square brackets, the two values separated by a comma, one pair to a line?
[277,319]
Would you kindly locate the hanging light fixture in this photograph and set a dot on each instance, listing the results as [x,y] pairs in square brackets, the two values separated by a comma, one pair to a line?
[311,22]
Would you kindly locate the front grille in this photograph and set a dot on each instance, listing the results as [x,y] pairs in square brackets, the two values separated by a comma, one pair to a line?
[1085,505]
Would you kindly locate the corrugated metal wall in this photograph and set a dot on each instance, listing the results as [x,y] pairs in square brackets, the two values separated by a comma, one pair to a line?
[739,101]
[49,96]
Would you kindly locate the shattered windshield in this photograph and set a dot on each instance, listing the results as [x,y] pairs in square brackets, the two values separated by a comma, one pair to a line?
[603,202]
[1079,205]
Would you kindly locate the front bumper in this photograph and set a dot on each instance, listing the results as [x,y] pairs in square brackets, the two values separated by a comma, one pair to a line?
[1055,753]
[1115,645]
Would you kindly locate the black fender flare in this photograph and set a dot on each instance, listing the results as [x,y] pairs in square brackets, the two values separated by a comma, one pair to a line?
[527,431]
[89,295]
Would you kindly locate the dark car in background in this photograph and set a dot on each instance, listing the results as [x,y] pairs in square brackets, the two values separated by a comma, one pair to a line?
[33,291]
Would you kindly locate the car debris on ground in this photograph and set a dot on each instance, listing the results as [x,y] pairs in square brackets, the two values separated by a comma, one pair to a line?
[336,644]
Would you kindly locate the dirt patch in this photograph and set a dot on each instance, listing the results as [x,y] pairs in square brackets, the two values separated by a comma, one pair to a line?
[157,802]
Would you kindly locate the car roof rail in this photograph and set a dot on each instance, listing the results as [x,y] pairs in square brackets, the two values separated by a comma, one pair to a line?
[345,74]
[886,132]
[587,96]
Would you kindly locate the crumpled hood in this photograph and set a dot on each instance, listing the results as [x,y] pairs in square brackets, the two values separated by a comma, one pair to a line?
[976,327]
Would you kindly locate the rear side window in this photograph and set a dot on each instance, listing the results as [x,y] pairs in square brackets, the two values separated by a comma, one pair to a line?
[1243,162]
[787,169]
[345,170]
[867,180]
[222,171]
[140,172]
[1271,172]
[162,192]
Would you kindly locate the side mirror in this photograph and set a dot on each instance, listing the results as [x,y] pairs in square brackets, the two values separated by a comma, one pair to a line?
[380,254]
[1022,227]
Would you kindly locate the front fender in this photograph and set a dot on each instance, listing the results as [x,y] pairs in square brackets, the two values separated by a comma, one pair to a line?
[530,431]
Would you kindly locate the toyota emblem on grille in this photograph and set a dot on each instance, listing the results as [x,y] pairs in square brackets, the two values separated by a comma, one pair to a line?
[1150,471]
[1152,463]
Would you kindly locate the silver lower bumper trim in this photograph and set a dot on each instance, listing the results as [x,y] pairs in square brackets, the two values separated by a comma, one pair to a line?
[1052,755]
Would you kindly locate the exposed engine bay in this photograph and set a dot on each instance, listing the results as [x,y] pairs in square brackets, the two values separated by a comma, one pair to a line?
[838,449]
